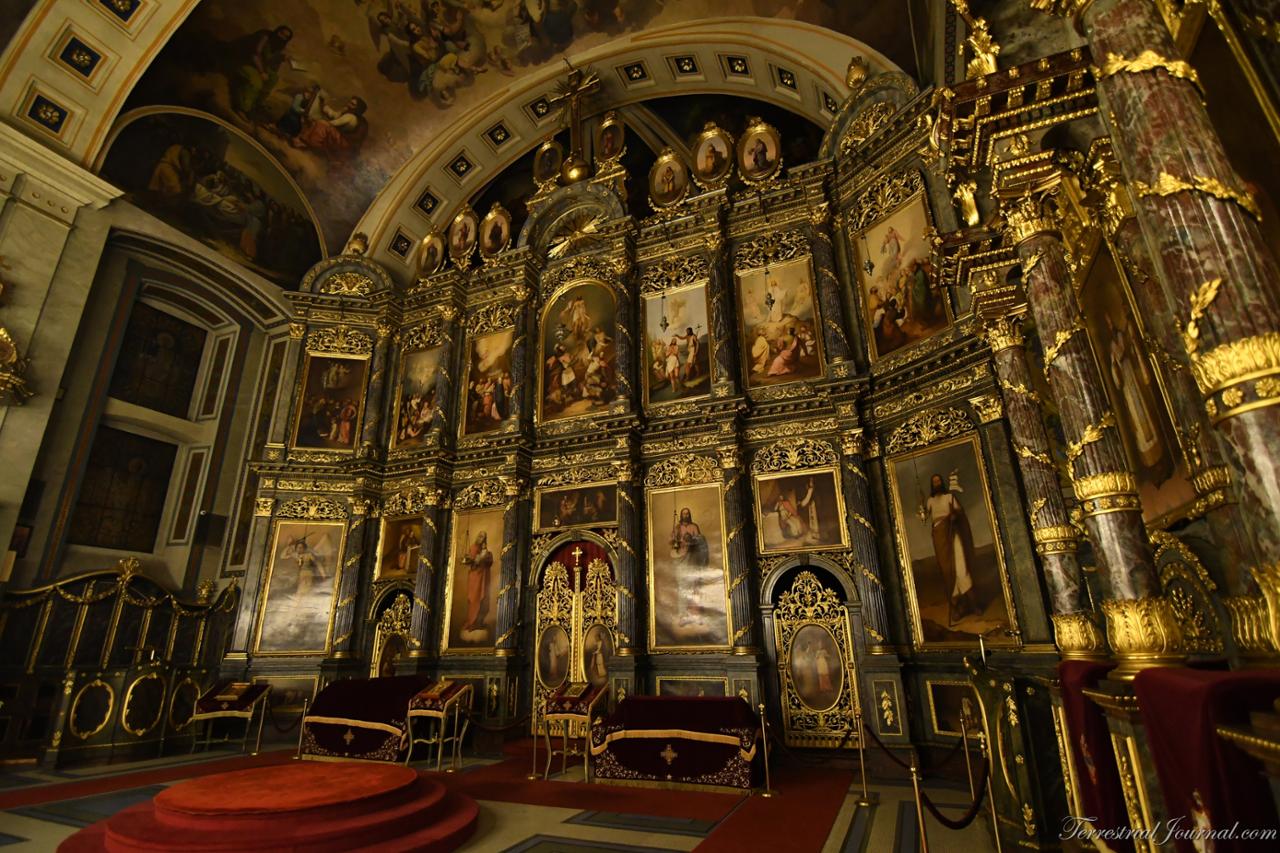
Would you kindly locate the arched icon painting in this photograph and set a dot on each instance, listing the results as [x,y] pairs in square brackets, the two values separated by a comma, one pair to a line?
[817,667]
[553,656]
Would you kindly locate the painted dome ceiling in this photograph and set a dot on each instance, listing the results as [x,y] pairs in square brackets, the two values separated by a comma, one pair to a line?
[385,115]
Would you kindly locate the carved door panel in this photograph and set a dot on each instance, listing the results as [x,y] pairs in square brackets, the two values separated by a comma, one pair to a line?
[816,670]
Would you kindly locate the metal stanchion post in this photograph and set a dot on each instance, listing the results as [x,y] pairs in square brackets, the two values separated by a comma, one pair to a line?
[864,800]
[533,774]
[262,718]
[764,738]
[968,762]
[302,728]
[915,787]
[985,748]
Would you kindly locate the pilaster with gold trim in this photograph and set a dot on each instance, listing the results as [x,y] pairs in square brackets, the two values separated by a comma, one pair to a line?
[746,631]
[344,609]
[627,568]
[424,583]
[515,520]
[862,539]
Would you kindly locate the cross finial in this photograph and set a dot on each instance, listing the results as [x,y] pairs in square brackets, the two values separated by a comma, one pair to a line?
[577,556]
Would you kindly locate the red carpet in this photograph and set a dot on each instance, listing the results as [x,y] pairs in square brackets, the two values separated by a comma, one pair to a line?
[506,782]
[312,806]
[121,781]
[798,817]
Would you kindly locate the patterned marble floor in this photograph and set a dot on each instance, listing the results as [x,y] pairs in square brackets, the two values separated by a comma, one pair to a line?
[887,825]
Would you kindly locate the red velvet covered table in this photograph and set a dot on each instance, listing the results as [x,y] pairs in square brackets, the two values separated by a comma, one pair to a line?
[696,740]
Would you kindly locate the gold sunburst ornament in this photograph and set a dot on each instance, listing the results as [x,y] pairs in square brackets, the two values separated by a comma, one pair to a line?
[580,231]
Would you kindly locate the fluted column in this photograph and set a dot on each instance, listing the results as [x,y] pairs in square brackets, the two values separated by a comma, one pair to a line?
[424,582]
[1096,461]
[514,520]
[344,611]
[746,632]
[626,571]
[1206,464]
[827,286]
[1201,226]
[1054,536]
[862,539]
[374,402]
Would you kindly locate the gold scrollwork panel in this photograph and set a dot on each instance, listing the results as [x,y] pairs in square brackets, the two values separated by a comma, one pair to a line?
[815,665]
[143,704]
[91,709]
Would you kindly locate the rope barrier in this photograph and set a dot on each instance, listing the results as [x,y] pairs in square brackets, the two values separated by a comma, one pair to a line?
[972,812]
[284,730]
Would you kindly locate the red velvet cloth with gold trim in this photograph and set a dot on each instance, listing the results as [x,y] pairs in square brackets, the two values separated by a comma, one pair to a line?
[1207,782]
[229,698]
[699,740]
[1096,775]
[574,700]
[364,718]
[433,698]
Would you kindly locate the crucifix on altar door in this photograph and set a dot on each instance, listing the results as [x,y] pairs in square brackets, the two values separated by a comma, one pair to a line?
[568,97]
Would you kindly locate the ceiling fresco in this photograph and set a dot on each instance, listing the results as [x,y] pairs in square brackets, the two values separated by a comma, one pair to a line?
[342,93]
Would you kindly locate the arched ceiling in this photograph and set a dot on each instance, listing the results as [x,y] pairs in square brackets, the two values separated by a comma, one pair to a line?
[445,115]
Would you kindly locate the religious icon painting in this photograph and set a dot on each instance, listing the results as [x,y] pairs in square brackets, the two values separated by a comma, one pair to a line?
[688,573]
[683,685]
[949,703]
[488,381]
[296,613]
[799,511]
[399,547]
[712,157]
[332,400]
[1134,386]
[677,345]
[668,179]
[416,411]
[610,141]
[816,667]
[463,233]
[597,652]
[553,657]
[759,152]
[587,505]
[781,333]
[431,254]
[471,614]
[547,162]
[495,231]
[897,280]
[579,373]
[957,586]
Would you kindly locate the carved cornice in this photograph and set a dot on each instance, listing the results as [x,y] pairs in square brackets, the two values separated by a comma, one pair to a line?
[790,454]
[927,428]
[313,506]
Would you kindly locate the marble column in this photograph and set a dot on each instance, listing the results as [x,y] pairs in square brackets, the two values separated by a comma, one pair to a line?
[374,400]
[862,539]
[514,521]
[344,610]
[626,368]
[1051,530]
[424,582]
[1096,461]
[627,570]
[828,287]
[450,331]
[746,631]
[724,374]
[1206,464]
[1201,226]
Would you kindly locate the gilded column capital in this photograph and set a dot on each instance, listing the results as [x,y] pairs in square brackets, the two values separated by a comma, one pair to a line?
[1003,332]
[1106,492]
[1055,539]
[1078,636]
[1143,632]
[297,330]
[1025,217]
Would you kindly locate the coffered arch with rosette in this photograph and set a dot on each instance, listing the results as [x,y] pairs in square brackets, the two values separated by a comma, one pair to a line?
[797,66]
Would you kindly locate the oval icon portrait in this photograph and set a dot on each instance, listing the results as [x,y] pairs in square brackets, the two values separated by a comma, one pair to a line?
[553,657]
[597,650]
[817,669]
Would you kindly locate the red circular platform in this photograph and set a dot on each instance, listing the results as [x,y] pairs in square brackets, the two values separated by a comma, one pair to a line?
[305,805]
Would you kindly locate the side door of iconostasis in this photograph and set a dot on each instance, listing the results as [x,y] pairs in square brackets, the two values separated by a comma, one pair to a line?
[576,622]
